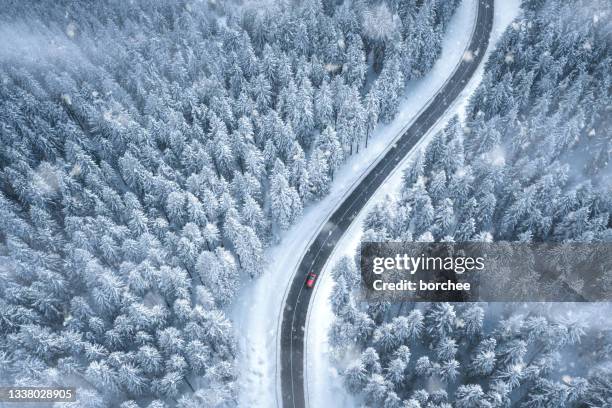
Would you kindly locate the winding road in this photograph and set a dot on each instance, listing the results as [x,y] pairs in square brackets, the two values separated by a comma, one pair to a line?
[298,298]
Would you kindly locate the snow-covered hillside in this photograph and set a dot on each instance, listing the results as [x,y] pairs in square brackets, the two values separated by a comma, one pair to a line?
[163,165]
[525,161]
[151,151]
[257,313]
[323,380]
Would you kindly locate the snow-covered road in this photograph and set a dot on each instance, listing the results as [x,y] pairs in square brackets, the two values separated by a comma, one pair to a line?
[322,379]
[257,308]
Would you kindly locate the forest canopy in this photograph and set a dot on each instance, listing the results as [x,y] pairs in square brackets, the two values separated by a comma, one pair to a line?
[529,162]
[151,151]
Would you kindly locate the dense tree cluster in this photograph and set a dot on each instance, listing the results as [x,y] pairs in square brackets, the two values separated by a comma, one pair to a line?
[442,355]
[149,152]
[530,163]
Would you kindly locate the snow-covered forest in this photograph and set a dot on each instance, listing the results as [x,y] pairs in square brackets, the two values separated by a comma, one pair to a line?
[151,151]
[529,162]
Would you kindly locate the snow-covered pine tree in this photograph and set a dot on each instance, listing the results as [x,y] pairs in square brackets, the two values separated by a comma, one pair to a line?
[524,165]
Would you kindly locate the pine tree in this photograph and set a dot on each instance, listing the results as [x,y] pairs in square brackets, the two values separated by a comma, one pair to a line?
[354,69]
[249,251]
[470,395]
[286,205]
[355,377]
[324,108]
[328,147]
[372,109]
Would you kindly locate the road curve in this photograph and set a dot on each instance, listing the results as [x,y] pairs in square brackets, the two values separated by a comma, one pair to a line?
[298,298]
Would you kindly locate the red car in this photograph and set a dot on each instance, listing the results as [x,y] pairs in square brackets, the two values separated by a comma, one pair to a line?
[310,280]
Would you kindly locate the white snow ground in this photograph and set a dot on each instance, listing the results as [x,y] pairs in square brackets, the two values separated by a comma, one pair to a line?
[256,311]
[323,383]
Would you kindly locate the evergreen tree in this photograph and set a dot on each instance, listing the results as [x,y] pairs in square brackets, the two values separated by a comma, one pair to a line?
[286,205]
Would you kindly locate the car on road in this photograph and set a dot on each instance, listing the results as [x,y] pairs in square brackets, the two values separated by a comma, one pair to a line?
[311,279]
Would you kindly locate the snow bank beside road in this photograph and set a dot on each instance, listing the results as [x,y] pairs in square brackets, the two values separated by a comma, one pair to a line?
[323,383]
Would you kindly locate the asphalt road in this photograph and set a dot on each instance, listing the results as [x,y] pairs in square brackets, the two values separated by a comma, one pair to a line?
[298,298]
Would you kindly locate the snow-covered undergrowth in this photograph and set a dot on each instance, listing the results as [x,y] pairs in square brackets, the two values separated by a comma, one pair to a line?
[515,169]
[151,151]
